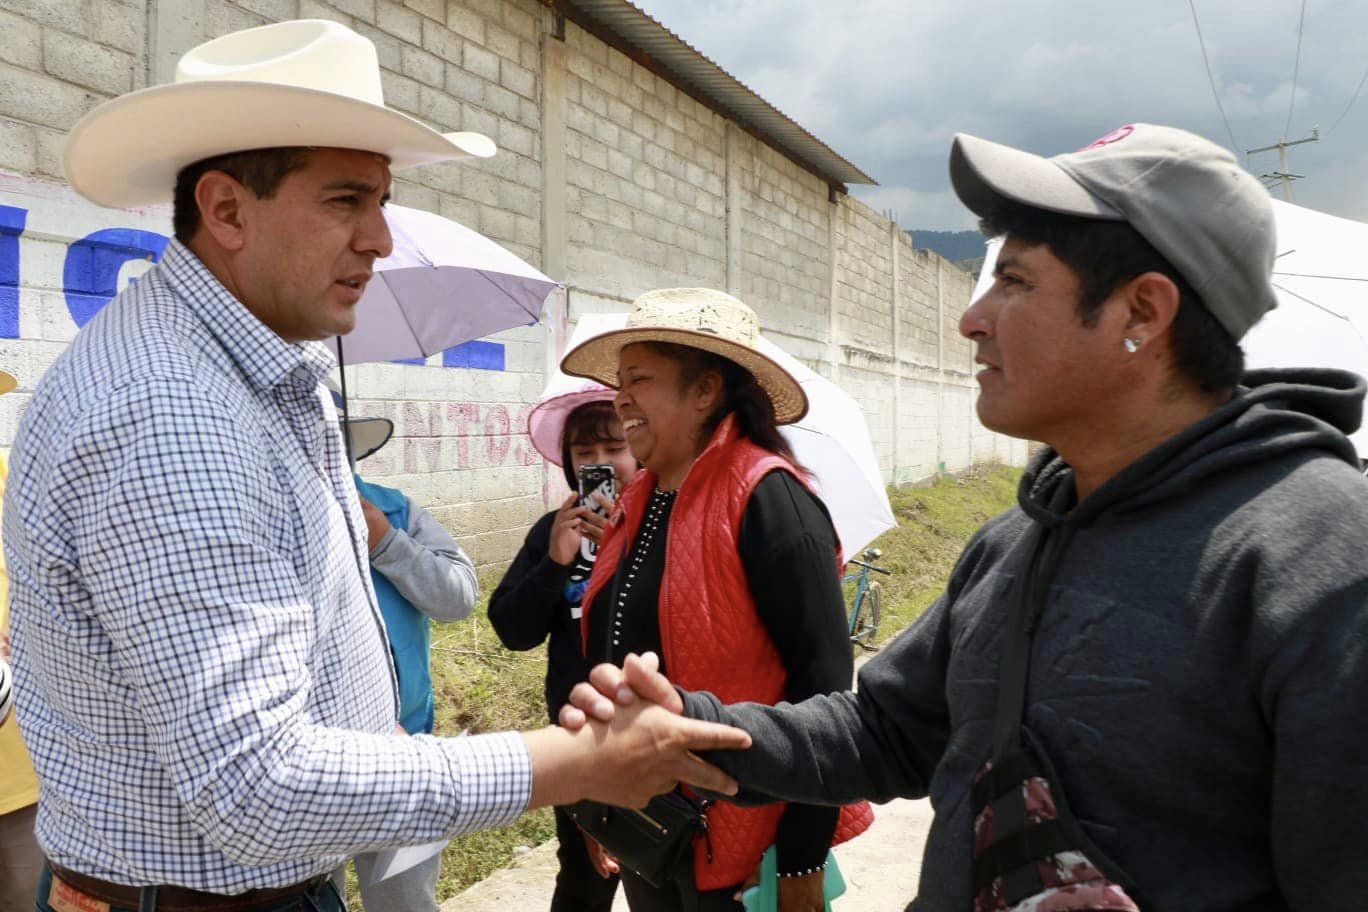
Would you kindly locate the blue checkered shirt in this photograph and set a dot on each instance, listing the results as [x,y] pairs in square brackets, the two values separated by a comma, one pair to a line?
[203,677]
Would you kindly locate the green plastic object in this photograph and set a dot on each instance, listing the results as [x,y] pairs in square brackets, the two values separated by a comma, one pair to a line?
[764,896]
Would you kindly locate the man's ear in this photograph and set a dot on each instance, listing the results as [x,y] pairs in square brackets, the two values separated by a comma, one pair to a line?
[223,205]
[1152,301]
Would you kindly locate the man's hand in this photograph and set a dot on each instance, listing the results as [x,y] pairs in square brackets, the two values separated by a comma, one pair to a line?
[645,751]
[609,685]
[376,523]
[605,864]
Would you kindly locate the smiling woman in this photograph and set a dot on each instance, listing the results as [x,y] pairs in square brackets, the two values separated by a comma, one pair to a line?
[721,559]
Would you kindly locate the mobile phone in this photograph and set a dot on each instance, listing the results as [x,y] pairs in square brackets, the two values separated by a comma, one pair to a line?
[595,479]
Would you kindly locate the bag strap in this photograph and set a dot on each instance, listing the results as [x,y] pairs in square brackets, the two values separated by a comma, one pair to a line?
[1027,602]
[1009,857]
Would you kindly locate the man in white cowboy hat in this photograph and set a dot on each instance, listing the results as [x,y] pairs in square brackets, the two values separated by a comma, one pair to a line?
[201,669]
[1143,687]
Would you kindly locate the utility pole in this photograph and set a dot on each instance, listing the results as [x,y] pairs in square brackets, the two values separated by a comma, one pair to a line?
[1282,173]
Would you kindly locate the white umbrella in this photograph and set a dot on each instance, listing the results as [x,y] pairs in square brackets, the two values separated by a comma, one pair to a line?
[442,285]
[1322,286]
[832,441]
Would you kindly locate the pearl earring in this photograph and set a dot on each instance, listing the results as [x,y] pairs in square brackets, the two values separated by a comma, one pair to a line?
[1132,345]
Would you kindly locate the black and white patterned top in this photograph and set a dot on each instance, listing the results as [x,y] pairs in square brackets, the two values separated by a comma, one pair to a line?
[635,618]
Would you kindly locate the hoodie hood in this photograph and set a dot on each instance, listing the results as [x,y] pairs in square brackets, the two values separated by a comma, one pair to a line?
[1273,412]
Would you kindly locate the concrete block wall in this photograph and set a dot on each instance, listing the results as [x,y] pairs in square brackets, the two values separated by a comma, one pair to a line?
[957,286]
[919,305]
[864,278]
[785,241]
[609,178]
[645,171]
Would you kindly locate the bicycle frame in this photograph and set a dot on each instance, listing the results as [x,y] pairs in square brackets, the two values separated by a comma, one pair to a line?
[861,579]
[862,587]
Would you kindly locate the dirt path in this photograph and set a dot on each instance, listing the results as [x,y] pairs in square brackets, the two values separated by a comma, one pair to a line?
[881,868]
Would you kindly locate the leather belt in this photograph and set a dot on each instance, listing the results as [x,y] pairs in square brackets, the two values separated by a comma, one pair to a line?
[180,899]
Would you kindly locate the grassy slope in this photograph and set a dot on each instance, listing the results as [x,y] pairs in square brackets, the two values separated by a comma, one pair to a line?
[934,523]
[483,687]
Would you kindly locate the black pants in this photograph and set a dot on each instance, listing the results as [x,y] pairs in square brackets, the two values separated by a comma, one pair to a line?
[579,888]
[678,895]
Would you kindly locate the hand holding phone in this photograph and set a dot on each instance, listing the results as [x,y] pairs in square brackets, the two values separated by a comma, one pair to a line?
[597,491]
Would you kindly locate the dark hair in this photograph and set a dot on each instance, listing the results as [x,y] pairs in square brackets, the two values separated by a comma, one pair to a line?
[259,170]
[741,396]
[1106,254]
[593,422]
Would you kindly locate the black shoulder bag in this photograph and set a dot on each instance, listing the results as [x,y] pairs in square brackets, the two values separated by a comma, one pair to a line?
[1029,851]
[650,842]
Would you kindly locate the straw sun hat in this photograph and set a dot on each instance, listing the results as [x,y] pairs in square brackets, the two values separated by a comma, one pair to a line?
[307,82]
[701,318]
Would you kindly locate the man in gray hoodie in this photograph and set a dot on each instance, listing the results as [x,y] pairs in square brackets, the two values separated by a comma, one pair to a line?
[1180,596]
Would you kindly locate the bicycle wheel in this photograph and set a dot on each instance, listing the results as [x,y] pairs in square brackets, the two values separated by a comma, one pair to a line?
[867,617]
[874,612]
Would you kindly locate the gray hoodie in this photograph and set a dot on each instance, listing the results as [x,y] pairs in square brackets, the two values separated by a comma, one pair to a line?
[1199,676]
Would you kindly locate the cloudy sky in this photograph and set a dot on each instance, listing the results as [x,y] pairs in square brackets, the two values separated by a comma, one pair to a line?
[886,83]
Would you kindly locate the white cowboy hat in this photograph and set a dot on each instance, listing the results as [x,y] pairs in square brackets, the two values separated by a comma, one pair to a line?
[699,317]
[307,82]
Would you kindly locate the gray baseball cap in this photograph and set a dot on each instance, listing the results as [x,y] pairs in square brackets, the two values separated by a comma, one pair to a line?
[1186,195]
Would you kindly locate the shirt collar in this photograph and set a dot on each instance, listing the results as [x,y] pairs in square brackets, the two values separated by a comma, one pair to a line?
[266,360]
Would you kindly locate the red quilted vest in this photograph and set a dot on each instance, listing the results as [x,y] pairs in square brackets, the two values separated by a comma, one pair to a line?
[710,633]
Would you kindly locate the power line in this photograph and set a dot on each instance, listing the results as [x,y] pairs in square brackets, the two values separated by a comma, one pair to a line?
[1296,68]
[1350,104]
[1192,5]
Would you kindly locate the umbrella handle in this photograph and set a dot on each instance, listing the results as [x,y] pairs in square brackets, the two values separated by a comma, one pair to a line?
[346,415]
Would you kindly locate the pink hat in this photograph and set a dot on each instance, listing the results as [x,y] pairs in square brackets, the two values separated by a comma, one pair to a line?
[546,422]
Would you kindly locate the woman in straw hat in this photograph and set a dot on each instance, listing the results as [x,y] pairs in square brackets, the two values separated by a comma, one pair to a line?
[539,597]
[720,559]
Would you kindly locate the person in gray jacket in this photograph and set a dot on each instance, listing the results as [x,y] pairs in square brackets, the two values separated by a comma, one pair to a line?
[1181,589]
[420,574]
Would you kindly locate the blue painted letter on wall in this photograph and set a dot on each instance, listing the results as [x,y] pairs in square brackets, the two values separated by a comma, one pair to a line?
[91,275]
[12,222]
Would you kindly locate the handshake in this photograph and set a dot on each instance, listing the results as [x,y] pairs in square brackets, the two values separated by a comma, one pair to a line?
[622,741]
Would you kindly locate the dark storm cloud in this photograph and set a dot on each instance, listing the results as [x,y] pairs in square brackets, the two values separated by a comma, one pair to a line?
[887,82]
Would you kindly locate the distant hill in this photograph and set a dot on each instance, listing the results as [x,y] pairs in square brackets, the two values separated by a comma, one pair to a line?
[953,245]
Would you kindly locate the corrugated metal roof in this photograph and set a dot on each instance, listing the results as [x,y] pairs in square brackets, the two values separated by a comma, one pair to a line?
[631,30]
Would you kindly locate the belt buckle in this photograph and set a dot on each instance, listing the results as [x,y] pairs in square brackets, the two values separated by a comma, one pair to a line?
[63,897]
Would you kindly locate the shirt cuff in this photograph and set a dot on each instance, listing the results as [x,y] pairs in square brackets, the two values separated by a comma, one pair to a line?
[494,774]
[385,541]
